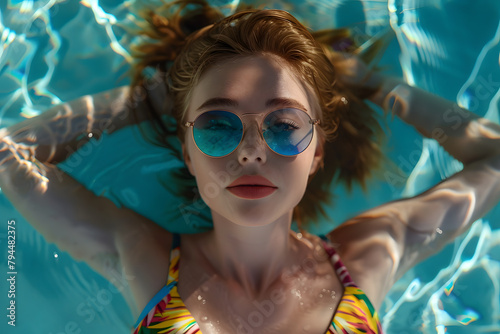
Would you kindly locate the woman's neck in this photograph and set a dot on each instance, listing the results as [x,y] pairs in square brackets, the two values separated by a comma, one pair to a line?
[252,257]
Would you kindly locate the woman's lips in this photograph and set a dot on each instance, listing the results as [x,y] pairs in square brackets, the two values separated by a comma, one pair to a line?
[251,192]
[252,187]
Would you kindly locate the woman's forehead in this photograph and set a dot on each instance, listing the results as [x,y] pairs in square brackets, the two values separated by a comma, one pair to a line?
[248,83]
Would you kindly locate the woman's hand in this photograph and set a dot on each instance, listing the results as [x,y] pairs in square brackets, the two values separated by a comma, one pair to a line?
[353,71]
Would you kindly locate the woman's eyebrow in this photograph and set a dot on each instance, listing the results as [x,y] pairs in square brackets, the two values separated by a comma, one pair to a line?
[275,102]
[218,102]
[285,102]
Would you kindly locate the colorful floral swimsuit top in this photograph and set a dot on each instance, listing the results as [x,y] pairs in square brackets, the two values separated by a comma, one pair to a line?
[166,313]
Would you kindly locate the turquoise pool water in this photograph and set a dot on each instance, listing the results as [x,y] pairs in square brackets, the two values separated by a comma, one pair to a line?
[53,51]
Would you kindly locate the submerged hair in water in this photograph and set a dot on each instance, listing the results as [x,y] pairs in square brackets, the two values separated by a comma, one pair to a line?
[186,42]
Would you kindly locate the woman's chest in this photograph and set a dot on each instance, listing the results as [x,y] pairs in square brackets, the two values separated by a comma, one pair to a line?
[302,301]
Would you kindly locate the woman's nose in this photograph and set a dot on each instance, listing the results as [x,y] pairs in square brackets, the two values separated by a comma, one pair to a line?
[252,147]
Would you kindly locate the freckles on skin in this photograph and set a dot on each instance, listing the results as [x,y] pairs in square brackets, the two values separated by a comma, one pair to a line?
[251,82]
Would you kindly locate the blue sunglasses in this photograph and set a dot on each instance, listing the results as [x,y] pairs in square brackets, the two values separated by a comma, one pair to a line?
[287,132]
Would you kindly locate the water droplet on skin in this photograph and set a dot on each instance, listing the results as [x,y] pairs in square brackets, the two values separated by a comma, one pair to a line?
[296,293]
[204,301]
[299,235]
[301,303]
[204,318]
[331,308]
[200,297]
[320,295]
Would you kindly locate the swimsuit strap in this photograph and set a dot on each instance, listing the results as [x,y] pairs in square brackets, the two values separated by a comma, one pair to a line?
[162,297]
[173,270]
[339,267]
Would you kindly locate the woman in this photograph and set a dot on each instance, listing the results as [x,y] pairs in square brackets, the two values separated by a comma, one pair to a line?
[243,90]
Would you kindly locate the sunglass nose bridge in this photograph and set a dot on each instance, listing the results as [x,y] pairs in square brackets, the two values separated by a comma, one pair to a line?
[252,130]
[252,122]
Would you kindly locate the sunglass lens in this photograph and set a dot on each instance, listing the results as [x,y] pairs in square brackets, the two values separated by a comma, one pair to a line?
[217,133]
[287,131]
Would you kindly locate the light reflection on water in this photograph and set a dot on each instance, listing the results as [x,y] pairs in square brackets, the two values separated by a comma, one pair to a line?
[54,50]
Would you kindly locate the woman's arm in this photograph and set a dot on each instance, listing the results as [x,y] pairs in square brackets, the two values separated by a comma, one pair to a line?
[451,206]
[89,227]
[116,242]
[58,132]
[399,234]
[463,134]
[61,130]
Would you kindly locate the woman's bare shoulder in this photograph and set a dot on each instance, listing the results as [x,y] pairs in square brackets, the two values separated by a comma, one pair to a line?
[368,247]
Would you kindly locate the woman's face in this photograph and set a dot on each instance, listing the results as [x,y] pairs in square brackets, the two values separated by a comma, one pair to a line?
[251,85]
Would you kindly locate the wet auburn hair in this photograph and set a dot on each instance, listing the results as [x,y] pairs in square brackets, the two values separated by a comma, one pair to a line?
[185,38]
